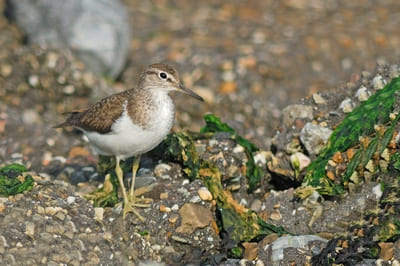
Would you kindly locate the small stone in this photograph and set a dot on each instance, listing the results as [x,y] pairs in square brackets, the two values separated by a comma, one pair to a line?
[3,244]
[299,161]
[156,248]
[33,80]
[362,94]
[193,216]
[378,82]
[256,205]
[332,163]
[227,87]
[98,213]
[2,206]
[162,171]
[164,208]
[195,199]
[314,137]
[291,112]
[30,117]
[180,239]
[6,70]
[276,215]
[377,190]
[19,245]
[52,210]
[69,90]
[168,250]
[250,250]
[318,99]
[30,229]
[238,149]
[175,207]
[71,199]
[337,157]
[260,157]
[40,210]
[164,195]
[330,175]
[205,194]
[387,250]
[92,259]
[393,71]
[346,105]
[173,218]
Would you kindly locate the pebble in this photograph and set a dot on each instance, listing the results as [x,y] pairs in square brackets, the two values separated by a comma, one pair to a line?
[33,80]
[195,199]
[175,207]
[318,99]
[314,137]
[98,213]
[3,244]
[30,117]
[71,199]
[301,160]
[183,191]
[238,149]
[173,218]
[276,215]
[162,171]
[256,205]
[227,87]
[6,70]
[346,105]
[260,157]
[52,210]
[2,206]
[378,82]
[291,112]
[180,239]
[393,71]
[205,194]
[164,195]
[377,190]
[164,208]
[362,94]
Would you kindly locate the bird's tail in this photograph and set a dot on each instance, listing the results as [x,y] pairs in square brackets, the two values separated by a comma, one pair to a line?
[67,122]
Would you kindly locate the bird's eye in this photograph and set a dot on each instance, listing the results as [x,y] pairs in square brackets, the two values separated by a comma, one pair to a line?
[163,75]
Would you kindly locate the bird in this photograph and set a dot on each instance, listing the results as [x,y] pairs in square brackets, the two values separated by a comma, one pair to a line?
[131,123]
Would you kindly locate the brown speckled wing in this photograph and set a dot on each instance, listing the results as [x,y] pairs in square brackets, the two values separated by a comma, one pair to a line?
[101,115]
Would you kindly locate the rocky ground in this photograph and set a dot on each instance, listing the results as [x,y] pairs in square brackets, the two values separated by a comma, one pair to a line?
[248,62]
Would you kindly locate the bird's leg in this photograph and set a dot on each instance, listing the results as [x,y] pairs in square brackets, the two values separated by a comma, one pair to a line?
[120,175]
[128,205]
[135,167]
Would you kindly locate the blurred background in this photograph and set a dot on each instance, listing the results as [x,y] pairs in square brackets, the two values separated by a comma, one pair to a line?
[253,58]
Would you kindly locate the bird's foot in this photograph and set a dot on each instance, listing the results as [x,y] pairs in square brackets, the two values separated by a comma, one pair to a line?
[132,202]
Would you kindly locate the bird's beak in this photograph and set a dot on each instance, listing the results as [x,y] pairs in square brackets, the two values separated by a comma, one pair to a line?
[190,92]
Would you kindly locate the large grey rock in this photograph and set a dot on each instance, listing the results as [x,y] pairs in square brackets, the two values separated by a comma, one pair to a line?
[97,31]
[287,249]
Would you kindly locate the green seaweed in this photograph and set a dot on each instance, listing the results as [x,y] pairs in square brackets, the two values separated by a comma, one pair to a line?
[12,180]
[360,122]
[239,223]
[179,147]
[253,172]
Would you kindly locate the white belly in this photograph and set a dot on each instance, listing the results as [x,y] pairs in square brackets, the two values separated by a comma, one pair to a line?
[127,139]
